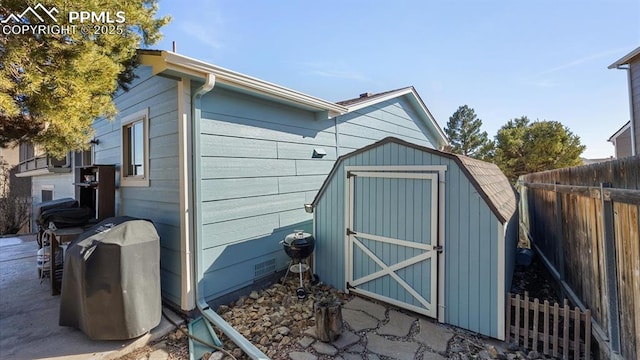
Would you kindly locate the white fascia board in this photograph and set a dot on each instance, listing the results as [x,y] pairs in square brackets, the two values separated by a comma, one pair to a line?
[620,132]
[625,59]
[417,101]
[375,100]
[175,63]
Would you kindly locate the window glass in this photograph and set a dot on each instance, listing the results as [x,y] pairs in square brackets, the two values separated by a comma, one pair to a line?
[47,195]
[135,151]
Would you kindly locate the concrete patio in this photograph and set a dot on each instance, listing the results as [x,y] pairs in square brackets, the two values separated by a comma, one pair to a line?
[29,314]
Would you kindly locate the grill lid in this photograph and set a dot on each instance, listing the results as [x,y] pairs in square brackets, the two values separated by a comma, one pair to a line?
[298,238]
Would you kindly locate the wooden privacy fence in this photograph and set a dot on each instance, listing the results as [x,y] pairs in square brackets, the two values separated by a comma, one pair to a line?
[549,329]
[584,223]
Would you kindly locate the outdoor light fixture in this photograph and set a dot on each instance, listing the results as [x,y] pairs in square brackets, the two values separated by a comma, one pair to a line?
[308,208]
[318,153]
[94,142]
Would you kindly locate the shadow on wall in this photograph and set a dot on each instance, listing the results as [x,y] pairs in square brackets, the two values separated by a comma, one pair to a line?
[227,107]
[238,268]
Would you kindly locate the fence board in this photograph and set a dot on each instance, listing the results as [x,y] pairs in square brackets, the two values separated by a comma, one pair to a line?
[564,216]
[569,337]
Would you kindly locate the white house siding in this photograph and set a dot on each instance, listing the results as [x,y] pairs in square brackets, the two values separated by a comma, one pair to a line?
[61,184]
[623,144]
[257,173]
[635,99]
[160,201]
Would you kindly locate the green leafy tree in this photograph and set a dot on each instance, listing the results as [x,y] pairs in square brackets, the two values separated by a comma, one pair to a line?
[465,137]
[53,85]
[524,147]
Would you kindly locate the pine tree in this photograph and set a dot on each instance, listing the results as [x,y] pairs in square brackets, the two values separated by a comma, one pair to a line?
[53,85]
[523,147]
[465,137]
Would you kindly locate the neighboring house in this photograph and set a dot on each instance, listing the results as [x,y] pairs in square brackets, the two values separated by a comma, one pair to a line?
[223,164]
[621,141]
[50,178]
[8,158]
[631,63]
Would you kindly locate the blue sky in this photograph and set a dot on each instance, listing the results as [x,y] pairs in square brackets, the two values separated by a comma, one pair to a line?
[543,59]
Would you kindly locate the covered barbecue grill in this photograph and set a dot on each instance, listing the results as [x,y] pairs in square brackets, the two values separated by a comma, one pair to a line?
[111,281]
[298,246]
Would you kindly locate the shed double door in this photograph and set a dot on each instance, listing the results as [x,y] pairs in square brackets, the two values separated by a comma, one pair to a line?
[391,238]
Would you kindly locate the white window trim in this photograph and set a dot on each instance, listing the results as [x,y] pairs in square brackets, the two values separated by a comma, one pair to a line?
[142,181]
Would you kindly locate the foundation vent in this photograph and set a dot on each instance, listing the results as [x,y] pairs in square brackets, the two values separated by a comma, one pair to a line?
[265,268]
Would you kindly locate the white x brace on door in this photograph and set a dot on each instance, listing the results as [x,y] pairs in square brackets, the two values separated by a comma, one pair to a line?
[392,237]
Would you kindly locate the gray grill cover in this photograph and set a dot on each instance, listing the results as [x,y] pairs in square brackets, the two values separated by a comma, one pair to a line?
[111,280]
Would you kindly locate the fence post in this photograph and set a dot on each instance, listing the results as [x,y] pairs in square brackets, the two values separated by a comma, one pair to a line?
[610,266]
[559,233]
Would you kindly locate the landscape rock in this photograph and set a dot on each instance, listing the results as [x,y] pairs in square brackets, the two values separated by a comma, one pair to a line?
[345,339]
[533,355]
[376,310]
[283,330]
[433,356]
[296,355]
[434,336]
[493,353]
[399,324]
[394,349]
[218,355]
[359,320]
[352,356]
[324,348]
[306,341]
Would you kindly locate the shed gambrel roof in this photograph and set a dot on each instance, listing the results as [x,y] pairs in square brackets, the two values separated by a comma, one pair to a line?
[490,182]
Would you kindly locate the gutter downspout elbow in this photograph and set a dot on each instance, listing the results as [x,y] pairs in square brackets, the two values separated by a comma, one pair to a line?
[201,303]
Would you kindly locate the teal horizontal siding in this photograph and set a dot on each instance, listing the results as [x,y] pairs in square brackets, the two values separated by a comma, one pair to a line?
[224,168]
[236,188]
[223,210]
[235,147]
[258,172]
[160,201]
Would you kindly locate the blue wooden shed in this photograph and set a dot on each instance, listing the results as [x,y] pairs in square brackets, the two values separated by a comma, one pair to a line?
[422,229]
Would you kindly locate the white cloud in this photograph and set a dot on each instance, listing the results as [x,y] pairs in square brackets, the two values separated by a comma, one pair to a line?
[582,60]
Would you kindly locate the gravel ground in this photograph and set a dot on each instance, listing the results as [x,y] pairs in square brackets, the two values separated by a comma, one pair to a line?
[274,319]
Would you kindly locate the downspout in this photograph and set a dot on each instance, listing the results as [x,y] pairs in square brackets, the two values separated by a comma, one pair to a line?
[631,115]
[201,303]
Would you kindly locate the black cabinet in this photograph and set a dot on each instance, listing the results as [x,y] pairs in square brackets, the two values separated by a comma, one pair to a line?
[96,188]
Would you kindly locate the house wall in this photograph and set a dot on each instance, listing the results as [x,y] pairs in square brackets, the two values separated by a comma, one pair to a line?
[62,185]
[257,173]
[623,144]
[635,99]
[160,201]
[395,117]
[10,155]
[471,231]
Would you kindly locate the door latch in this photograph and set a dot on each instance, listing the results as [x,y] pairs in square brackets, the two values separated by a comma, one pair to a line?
[349,232]
[438,248]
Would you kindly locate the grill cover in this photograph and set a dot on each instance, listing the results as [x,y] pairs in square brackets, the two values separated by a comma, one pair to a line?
[64,203]
[111,280]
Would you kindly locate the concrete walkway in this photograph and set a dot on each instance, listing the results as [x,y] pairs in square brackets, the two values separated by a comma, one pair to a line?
[29,314]
[375,330]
